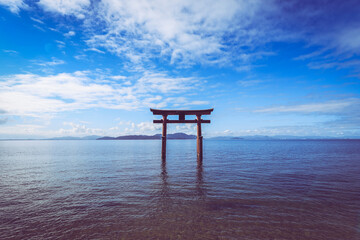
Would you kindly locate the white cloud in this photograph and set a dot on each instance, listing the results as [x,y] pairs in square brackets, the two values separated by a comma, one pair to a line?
[70,34]
[227,132]
[198,102]
[185,128]
[148,126]
[66,7]
[326,107]
[118,77]
[42,131]
[159,82]
[35,95]
[13,5]
[78,130]
[95,50]
[53,62]
[181,31]
[80,57]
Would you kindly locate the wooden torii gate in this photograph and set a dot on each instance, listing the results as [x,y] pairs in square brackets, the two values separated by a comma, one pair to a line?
[182,114]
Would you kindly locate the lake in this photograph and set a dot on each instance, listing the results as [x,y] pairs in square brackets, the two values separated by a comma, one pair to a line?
[278,189]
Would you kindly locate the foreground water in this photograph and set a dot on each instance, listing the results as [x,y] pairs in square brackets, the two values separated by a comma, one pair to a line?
[121,190]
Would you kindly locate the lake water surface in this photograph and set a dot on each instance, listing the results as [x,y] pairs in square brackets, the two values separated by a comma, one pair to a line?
[121,190]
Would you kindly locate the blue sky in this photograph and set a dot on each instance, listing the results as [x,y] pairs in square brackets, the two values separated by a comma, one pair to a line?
[81,67]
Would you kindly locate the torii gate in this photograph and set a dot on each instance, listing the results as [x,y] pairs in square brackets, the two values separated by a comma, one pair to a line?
[182,114]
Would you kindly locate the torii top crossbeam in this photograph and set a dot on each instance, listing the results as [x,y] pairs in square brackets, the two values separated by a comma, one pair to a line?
[181,112]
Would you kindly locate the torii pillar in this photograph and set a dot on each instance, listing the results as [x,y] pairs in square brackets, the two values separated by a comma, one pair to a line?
[182,114]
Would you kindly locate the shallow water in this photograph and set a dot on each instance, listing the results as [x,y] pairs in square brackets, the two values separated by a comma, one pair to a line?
[121,189]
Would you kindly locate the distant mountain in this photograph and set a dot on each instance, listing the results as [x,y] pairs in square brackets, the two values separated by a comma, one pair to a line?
[132,137]
[254,137]
[236,138]
[226,138]
[180,136]
[147,137]
[92,137]
[276,137]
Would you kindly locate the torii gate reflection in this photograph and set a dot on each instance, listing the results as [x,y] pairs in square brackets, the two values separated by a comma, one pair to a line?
[182,114]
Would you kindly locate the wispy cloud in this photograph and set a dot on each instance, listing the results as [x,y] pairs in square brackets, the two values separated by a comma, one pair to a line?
[334,64]
[336,106]
[37,20]
[95,50]
[39,28]
[60,44]
[53,62]
[161,83]
[10,51]
[326,27]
